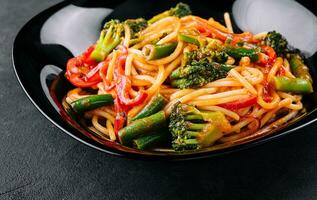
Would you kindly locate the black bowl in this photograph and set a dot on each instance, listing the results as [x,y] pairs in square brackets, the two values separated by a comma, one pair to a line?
[46,42]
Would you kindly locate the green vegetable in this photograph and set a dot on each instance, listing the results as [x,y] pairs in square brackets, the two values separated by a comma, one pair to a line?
[201,66]
[155,105]
[91,102]
[149,141]
[212,51]
[188,38]
[303,81]
[157,51]
[298,67]
[194,129]
[142,126]
[240,52]
[69,109]
[136,25]
[198,73]
[110,37]
[297,85]
[180,10]
[276,41]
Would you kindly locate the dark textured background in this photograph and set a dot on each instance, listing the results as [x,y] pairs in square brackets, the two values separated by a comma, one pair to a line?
[38,161]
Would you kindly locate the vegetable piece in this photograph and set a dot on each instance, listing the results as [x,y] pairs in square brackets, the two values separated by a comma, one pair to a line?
[219,57]
[240,103]
[70,112]
[136,25]
[141,126]
[180,10]
[198,73]
[268,90]
[298,67]
[155,105]
[157,51]
[281,71]
[76,72]
[109,39]
[121,115]
[148,141]
[189,39]
[91,102]
[194,129]
[297,85]
[240,52]
[123,86]
[86,56]
[303,81]
[123,89]
[269,56]
[201,67]
[83,72]
[276,41]
[213,51]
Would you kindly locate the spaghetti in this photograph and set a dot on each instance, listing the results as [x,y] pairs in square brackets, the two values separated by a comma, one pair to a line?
[247,81]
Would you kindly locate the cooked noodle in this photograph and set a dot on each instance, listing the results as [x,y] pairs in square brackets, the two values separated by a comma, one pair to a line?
[246,80]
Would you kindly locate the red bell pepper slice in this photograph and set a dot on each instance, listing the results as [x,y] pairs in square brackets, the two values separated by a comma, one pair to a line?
[270,57]
[267,92]
[119,122]
[124,86]
[103,71]
[82,72]
[121,65]
[240,103]
[76,73]
[121,115]
[281,72]
[87,58]
[123,103]
[123,89]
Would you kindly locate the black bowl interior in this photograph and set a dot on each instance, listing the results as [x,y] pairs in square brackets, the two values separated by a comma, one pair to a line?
[39,67]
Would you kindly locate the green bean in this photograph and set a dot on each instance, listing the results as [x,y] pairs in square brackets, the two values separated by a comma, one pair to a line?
[297,85]
[157,51]
[142,126]
[91,102]
[298,67]
[148,141]
[156,104]
[188,38]
[242,52]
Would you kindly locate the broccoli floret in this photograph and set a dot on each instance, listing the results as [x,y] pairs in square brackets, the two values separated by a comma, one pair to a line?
[200,68]
[110,37]
[211,50]
[212,55]
[194,129]
[180,10]
[276,41]
[220,56]
[136,25]
[110,23]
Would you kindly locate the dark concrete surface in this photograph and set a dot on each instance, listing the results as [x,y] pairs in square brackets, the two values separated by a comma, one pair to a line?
[38,161]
